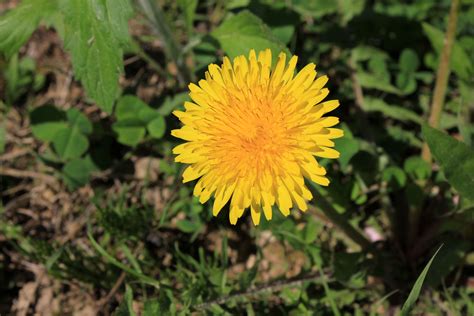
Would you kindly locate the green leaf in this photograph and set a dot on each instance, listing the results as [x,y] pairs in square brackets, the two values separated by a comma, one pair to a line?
[315,8]
[76,173]
[408,62]
[118,13]
[17,25]
[46,121]
[172,103]
[130,131]
[369,80]
[152,307]
[70,143]
[395,112]
[79,121]
[189,9]
[157,127]
[417,168]
[395,176]
[188,226]
[245,31]
[455,158]
[348,146]
[415,291]
[460,61]
[129,106]
[94,34]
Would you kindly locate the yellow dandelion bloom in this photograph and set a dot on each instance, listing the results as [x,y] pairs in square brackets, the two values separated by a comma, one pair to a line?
[252,134]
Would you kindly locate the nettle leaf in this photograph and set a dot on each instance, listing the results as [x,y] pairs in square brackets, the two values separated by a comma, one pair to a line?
[243,31]
[456,160]
[94,34]
[17,25]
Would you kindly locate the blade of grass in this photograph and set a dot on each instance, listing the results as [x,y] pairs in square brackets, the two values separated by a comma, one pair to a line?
[118,264]
[416,290]
[327,290]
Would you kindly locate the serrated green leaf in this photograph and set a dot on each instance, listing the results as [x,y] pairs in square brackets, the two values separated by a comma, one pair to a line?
[456,160]
[130,131]
[17,25]
[251,33]
[94,34]
[157,127]
[46,121]
[118,13]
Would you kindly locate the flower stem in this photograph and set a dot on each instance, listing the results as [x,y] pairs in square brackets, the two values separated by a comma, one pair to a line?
[339,220]
[442,75]
[173,50]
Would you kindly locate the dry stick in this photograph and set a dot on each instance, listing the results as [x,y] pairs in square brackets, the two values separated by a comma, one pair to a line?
[272,287]
[442,75]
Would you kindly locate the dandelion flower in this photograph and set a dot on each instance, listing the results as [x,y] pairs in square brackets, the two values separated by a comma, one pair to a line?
[252,134]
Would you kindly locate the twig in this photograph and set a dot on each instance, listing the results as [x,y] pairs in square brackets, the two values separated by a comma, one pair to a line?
[112,292]
[14,154]
[339,220]
[15,173]
[272,287]
[442,75]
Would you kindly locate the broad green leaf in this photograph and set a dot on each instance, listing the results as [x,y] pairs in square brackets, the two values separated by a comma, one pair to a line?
[244,31]
[79,121]
[406,82]
[152,307]
[76,173]
[94,34]
[129,106]
[70,143]
[461,63]
[118,13]
[46,121]
[130,131]
[17,25]
[147,115]
[363,53]
[188,226]
[395,112]
[157,127]
[350,8]
[455,158]
[408,61]
[415,291]
[348,147]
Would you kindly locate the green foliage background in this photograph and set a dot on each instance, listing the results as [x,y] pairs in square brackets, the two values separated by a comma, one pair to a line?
[143,244]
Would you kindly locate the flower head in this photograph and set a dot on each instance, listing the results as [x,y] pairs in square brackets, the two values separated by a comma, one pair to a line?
[252,134]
